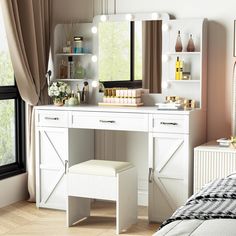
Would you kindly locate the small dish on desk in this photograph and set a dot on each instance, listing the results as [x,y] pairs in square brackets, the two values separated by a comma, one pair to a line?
[223,142]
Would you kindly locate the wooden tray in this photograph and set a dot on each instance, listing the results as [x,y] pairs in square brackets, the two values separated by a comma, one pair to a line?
[120,104]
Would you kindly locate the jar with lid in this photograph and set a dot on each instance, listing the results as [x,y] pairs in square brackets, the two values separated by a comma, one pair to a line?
[78,44]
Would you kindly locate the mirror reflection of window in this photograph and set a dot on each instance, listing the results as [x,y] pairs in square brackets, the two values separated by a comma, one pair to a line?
[130,54]
[114,51]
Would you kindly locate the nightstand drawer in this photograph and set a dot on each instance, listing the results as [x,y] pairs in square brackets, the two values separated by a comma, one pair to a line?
[169,124]
[109,121]
[51,118]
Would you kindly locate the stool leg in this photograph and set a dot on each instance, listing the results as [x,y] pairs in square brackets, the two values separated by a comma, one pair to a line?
[126,202]
[77,209]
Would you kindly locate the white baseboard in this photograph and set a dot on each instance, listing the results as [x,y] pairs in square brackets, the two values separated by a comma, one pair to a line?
[13,189]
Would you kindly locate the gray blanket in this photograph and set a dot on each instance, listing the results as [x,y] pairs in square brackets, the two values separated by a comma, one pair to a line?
[216,200]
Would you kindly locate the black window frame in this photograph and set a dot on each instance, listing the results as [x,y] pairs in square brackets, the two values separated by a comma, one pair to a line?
[127,83]
[19,166]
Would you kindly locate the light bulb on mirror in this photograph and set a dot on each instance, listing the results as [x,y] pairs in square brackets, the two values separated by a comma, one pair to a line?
[129,17]
[94,58]
[165,27]
[165,85]
[103,18]
[155,16]
[165,58]
[94,29]
[95,84]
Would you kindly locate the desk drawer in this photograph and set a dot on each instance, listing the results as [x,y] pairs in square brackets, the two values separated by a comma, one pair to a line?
[109,121]
[169,124]
[51,118]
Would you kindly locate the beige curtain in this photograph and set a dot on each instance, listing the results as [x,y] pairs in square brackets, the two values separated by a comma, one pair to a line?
[152,55]
[28,33]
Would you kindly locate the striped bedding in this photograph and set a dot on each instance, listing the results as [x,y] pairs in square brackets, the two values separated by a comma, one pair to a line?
[215,201]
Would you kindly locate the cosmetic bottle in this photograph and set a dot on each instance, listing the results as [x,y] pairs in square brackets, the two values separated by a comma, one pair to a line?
[79,71]
[181,69]
[190,46]
[70,69]
[178,44]
[177,68]
[63,70]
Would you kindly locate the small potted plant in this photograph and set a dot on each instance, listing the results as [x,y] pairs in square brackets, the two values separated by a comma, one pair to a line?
[58,91]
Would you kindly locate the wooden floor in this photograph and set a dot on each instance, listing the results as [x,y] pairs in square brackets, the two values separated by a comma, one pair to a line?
[24,219]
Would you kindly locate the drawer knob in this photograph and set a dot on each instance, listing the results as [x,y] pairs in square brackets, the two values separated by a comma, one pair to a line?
[107,121]
[168,123]
[51,118]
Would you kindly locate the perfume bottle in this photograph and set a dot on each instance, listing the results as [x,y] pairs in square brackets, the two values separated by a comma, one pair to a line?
[79,71]
[177,68]
[191,46]
[63,70]
[178,44]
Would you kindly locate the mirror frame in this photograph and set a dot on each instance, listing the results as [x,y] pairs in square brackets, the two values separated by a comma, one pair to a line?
[127,17]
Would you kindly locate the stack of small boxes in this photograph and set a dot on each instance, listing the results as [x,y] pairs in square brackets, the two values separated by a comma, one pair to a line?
[123,96]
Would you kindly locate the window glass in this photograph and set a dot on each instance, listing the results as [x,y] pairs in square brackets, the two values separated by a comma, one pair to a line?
[6,70]
[114,51]
[7,132]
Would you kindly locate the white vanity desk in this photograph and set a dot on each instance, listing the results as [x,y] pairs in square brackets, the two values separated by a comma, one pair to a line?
[65,136]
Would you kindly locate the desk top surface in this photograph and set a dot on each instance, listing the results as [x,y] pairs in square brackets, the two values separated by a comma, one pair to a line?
[93,108]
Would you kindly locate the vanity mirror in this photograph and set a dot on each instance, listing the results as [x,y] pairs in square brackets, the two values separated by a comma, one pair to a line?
[129,50]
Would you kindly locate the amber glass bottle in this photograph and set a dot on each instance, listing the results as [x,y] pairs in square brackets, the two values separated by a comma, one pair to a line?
[191,46]
[178,44]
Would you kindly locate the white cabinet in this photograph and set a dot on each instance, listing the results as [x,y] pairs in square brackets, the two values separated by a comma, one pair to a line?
[57,148]
[51,164]
[169,163]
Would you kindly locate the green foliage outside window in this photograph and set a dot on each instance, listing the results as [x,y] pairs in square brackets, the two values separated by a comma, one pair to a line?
[7,109]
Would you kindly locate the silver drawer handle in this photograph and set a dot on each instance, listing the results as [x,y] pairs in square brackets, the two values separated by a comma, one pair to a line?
[168,123]
[51,118]
[107,121]
[150,175]
[66,163]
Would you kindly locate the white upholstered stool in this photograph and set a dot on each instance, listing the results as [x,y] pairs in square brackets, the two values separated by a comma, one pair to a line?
[107,180]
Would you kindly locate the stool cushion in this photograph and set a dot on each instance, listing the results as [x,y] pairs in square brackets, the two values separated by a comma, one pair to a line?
[100,167]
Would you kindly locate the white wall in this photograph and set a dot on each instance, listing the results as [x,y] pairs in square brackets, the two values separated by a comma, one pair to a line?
[13,189]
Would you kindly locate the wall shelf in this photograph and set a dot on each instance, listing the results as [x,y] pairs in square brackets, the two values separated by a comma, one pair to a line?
[73,54]
[183,53]
[191,81]
[70,80]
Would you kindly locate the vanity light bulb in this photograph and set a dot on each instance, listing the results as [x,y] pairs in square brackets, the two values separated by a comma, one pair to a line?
[165,27]
[103,18]
[129,17]
[95,84]
[164,85]
[165,58]
[155,16]
[94,29]
[94,58]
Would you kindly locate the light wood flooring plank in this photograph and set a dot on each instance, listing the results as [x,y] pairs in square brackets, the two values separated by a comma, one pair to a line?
[24,219]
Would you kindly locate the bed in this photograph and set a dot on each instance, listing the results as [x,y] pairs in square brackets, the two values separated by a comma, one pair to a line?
[211,212]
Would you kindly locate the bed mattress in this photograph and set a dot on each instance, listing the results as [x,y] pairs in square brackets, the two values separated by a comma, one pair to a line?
[214,227]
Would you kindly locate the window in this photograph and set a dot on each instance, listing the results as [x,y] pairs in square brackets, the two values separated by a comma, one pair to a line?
[12,126]
[120,54]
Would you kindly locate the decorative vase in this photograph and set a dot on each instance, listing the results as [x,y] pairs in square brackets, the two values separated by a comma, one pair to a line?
[58,102]
[191,46]
[178,44]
